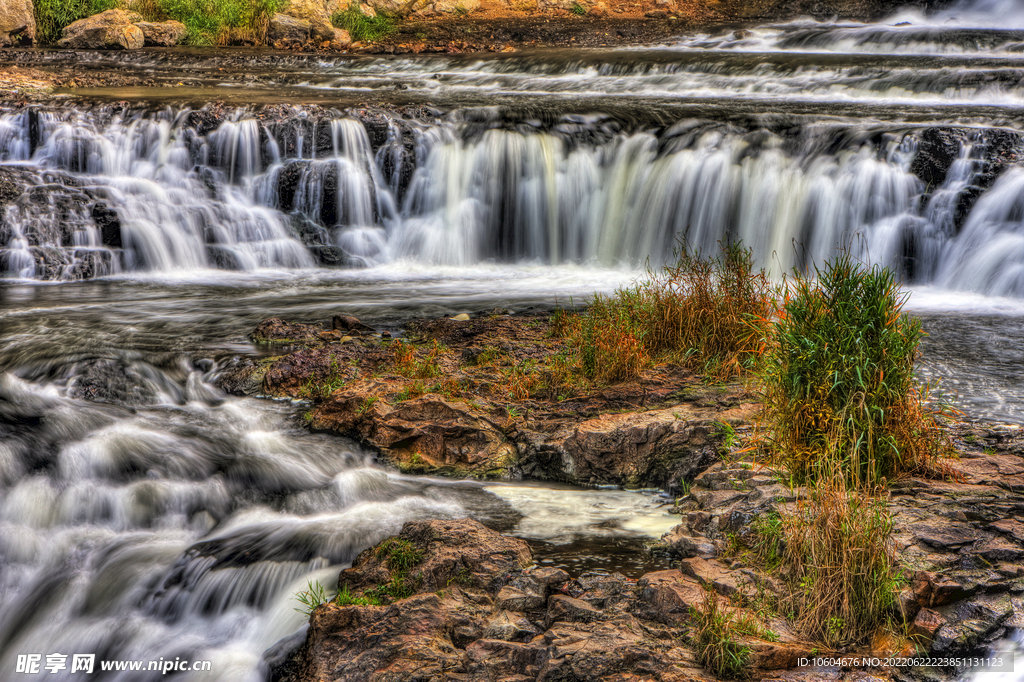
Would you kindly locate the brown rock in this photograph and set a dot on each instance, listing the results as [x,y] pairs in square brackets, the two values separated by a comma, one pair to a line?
[276,330]
[348,323]
[341,40]
[162,34]
[110,30]
[671,594]
[926,624]
[514,599]
[315,13]
[17,22]
[428,433]
[509,627]
[562,607]
[287,29]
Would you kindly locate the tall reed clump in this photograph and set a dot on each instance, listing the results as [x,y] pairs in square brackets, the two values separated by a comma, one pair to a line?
[839,390]
[710,314]
[836,554]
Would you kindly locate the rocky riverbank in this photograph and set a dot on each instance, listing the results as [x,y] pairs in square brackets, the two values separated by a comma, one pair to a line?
[476,609]
[466,603]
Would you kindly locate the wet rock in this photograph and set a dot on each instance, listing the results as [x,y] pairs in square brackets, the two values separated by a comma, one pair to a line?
[276,330]
[163,33]
[109,224]
[349,323]
[937,149]
[111,30]
[17,22]
[460,552]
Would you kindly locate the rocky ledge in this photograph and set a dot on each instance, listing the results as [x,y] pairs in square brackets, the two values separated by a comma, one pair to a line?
[472,397]
[479,611]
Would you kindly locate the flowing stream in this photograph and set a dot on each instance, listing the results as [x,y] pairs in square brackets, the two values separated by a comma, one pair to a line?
[144,515]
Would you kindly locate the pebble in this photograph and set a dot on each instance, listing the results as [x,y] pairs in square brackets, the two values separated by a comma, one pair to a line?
[461,317]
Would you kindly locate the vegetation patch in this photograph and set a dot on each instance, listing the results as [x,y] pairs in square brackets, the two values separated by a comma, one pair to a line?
[708,314]
[400,556]
[364,28]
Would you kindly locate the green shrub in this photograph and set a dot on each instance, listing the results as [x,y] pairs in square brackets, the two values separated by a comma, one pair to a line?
[209,22]
[578,9]
[839,390]
[363,28]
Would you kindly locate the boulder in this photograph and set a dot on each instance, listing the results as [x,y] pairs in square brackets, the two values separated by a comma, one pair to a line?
[314,12]
[17,22]
[349,323]
[163,33]
[342,40]
[285,29]
[111,30]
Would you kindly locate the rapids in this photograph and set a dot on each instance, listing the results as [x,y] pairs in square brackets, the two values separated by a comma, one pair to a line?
[145,515]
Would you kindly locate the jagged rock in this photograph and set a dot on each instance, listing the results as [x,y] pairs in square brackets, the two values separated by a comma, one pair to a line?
[276,330]
[513,599]
[285,29]
[17,22]
[111,30]
[562,607]
[509,627]
[163,33]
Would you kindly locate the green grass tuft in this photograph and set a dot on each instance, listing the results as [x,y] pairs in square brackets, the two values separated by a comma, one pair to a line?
[363,28]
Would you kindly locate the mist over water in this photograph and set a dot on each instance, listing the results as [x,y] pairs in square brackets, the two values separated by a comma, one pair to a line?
[154,236]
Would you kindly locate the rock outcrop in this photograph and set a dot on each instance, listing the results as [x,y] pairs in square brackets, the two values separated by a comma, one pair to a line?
[446,408]
[477,612]
[960,544]
[111,30]
[17,22]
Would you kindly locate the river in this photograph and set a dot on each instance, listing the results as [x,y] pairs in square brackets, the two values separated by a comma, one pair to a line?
[144,514]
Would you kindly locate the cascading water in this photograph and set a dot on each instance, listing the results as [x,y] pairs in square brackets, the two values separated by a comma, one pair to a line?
[241,197]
